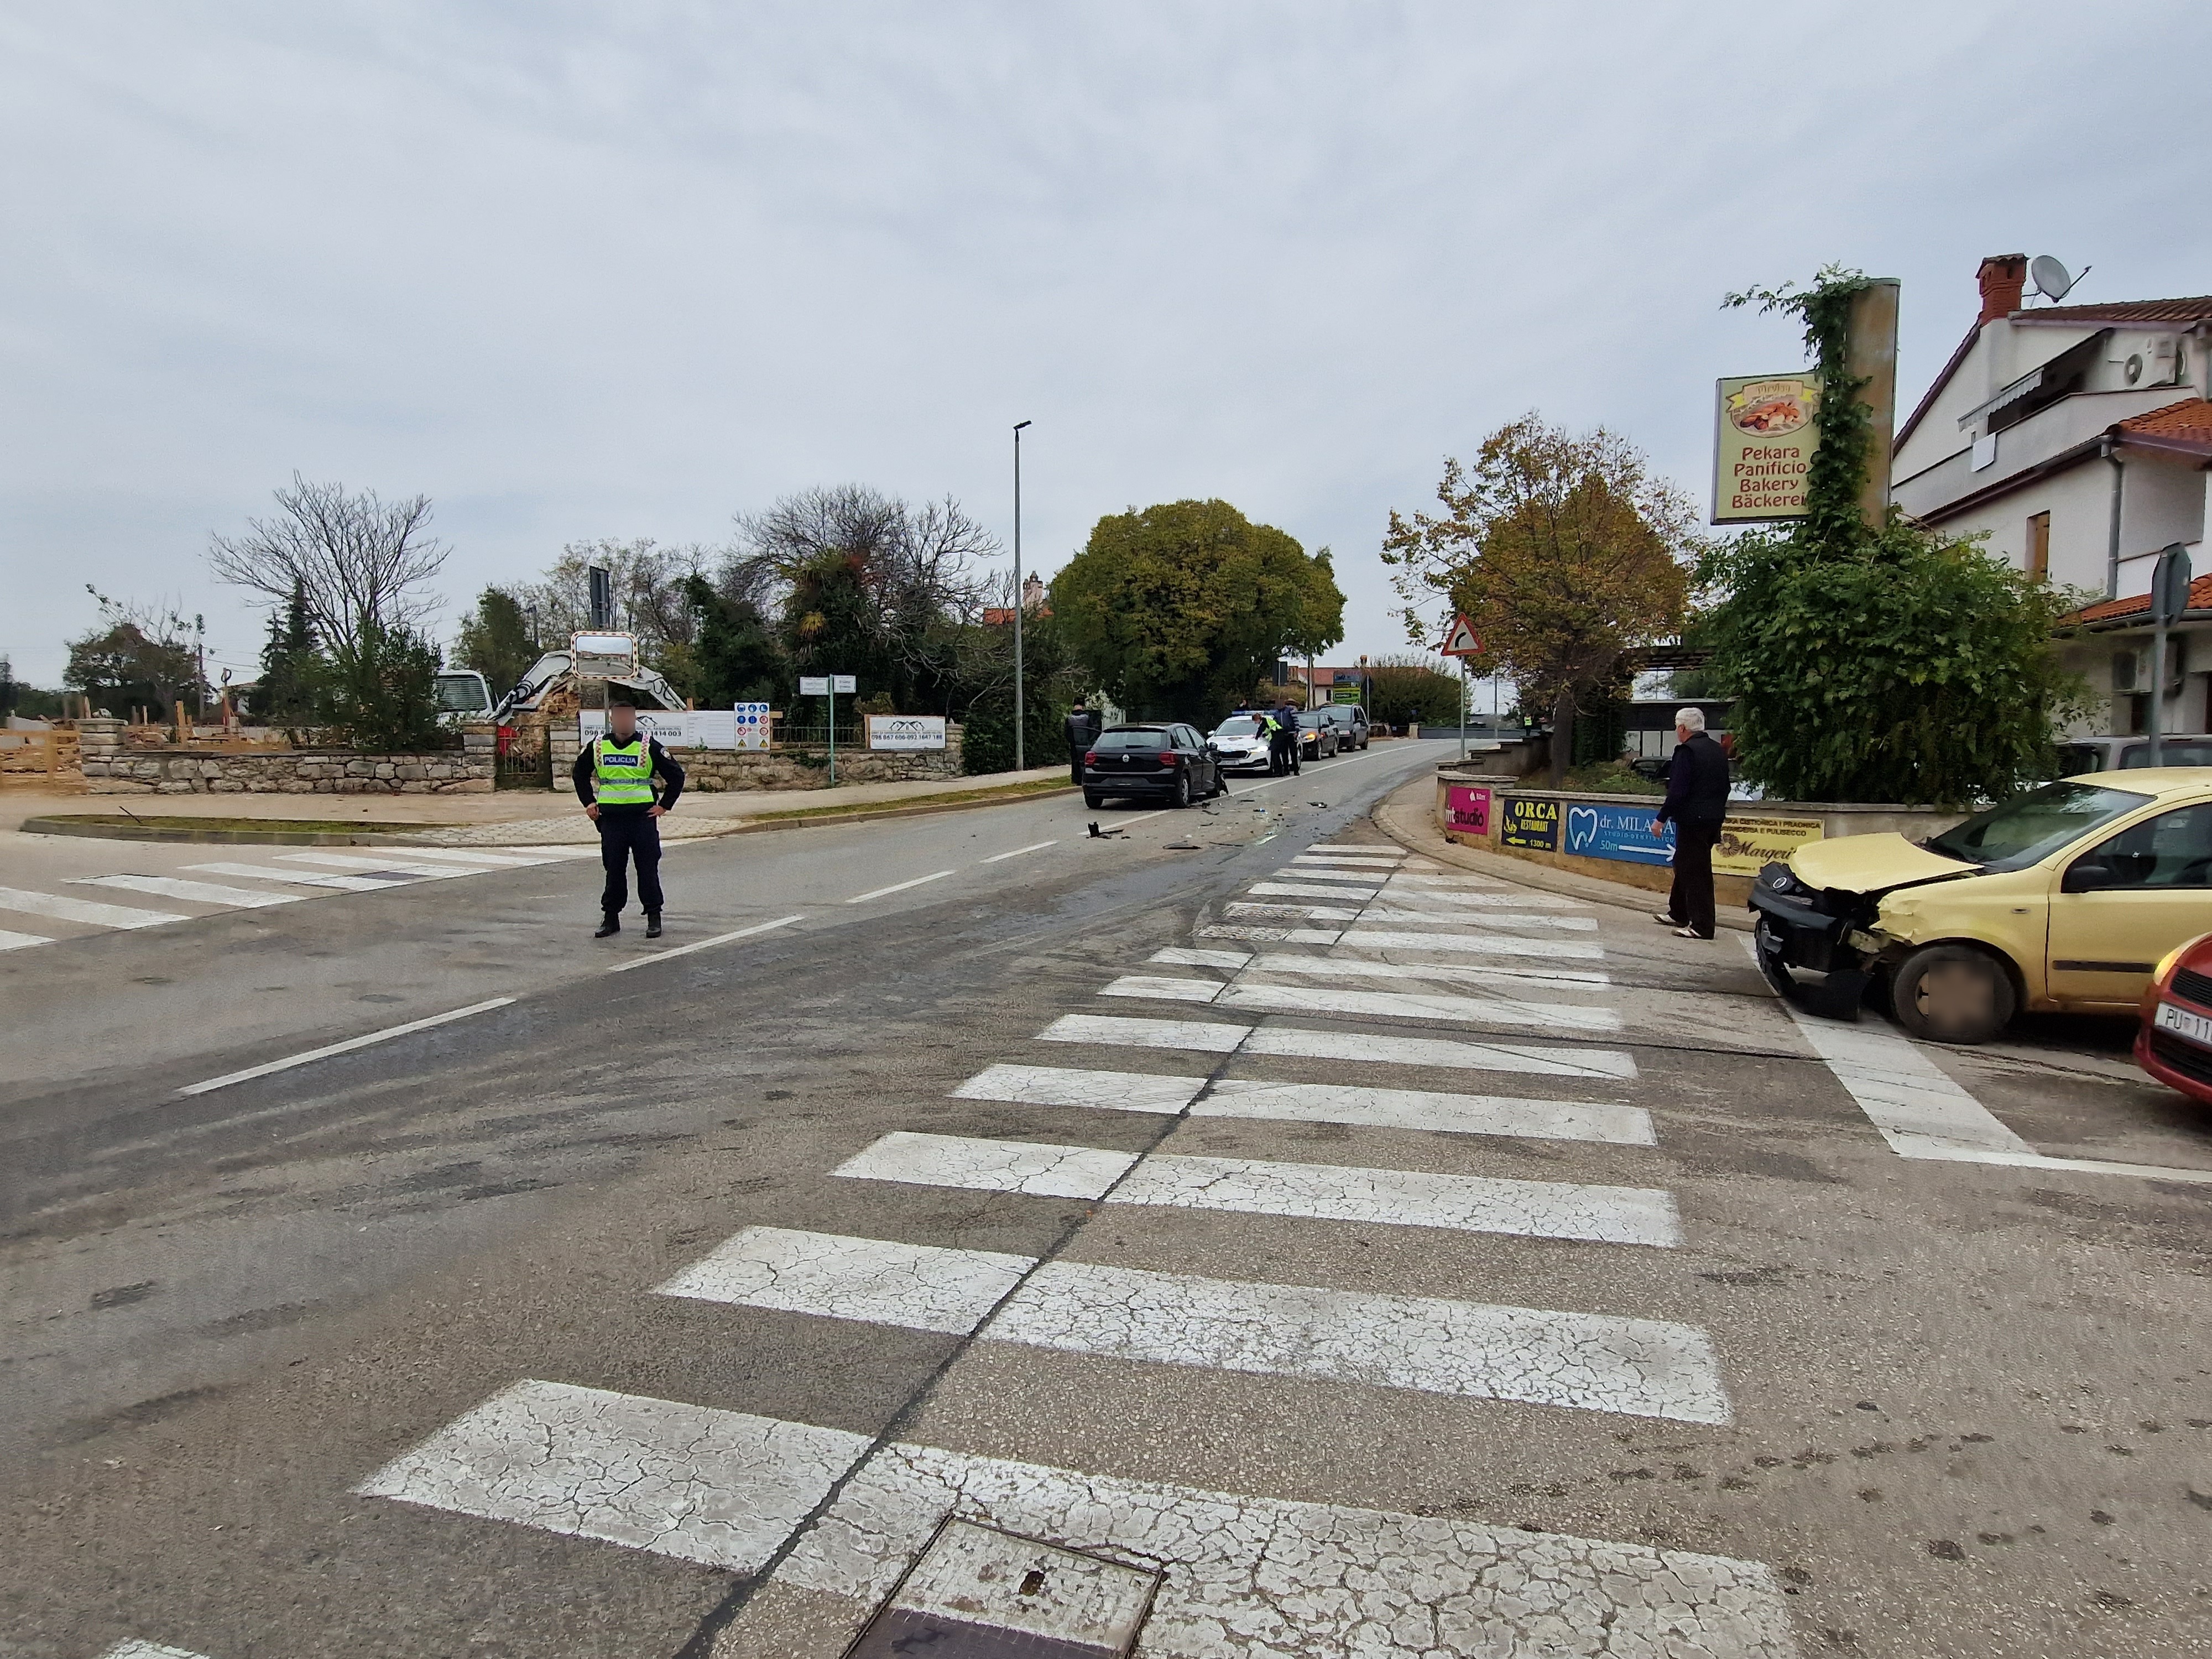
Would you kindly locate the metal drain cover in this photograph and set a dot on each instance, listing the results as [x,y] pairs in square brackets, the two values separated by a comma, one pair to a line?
[977,1593]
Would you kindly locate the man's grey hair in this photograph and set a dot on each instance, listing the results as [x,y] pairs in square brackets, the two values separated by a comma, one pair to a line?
[1690,719]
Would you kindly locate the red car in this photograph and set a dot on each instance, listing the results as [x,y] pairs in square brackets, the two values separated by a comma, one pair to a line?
[2174,1044]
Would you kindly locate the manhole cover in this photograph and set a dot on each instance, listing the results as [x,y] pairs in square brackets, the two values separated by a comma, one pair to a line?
[977,1593]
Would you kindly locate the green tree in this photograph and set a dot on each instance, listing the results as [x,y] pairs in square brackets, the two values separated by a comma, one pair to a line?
[1177,609]
[1878,663]
[1562,552]
[383,692]
[295,674]
[1051,682]
[1403,690]
[140,656]
[734,658]
[496,640]
[830,622]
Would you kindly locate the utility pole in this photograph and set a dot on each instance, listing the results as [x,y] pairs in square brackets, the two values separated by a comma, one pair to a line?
[1021,759]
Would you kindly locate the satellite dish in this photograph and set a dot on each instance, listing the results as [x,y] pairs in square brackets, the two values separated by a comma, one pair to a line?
[2049,277]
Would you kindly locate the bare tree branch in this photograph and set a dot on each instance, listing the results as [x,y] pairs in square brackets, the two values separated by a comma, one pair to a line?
[358,560]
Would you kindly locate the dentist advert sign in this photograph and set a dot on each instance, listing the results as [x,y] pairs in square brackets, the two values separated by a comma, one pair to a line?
[1602,832]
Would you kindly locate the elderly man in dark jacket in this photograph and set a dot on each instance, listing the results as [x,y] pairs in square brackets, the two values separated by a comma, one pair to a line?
[1696,805]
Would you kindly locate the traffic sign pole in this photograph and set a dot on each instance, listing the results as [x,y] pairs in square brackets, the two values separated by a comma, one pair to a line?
[1461,643]
[2169,598]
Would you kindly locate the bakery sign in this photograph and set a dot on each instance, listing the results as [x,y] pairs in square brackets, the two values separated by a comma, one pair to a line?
[1763,437]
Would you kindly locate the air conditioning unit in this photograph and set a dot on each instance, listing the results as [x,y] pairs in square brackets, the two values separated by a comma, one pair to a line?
[2131,672]
[2148,360]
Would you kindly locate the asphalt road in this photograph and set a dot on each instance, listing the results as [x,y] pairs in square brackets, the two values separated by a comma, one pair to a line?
[1466,1271]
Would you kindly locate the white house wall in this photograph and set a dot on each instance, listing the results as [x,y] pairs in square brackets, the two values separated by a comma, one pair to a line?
[2080,502]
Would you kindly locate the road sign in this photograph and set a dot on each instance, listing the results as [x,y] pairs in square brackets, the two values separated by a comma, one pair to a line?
[813,685]
[1460,642]
[844,684]
[2169,586]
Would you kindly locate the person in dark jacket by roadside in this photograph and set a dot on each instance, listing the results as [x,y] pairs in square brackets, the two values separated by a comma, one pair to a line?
[1084,725]
[1697,806]
[614,776]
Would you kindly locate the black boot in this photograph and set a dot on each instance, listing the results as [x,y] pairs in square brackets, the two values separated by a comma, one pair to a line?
[611,925]
[653,926]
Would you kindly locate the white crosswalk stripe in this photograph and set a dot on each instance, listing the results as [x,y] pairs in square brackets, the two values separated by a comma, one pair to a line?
[1268,935]
[1057,1085]
[62,907]
[135,1650]
[1205,1036]
[304,878]
[1295,912]
[1310,889]
[428,871]
[1343,967]
[193,892]
[1376,1004]
[15,941]
[1504,945]
[1360,1048]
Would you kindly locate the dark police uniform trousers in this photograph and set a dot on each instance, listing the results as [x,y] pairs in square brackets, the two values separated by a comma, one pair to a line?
[627,833]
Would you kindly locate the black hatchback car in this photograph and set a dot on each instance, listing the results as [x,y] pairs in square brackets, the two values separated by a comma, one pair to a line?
[1167,759]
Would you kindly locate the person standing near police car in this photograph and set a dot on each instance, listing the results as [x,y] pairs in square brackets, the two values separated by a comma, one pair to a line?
[614,777]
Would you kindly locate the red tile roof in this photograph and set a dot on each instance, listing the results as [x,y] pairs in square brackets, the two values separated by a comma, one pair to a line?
[2200,598]
[2186,424]
[2123,311]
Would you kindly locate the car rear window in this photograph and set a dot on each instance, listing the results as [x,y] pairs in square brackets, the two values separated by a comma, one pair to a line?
[2018,832]
[1314,718]
[2171,752]
[1141,737]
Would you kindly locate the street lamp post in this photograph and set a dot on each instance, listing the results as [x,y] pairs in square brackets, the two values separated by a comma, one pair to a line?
[1021,757]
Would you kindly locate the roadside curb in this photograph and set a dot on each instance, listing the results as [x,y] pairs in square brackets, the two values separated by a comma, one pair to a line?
[104,829]
[1403,815]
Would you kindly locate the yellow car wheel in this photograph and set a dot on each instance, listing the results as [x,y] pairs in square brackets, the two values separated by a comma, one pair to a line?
[1953,993]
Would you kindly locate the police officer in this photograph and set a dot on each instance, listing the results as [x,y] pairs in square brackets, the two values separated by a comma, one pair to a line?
[614,777]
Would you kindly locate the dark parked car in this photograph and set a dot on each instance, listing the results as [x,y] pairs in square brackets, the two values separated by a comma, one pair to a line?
[1350,721]
[1167,759]
[1318,735]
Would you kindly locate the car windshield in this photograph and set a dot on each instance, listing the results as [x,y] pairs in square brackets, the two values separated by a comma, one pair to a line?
[1315,717]
[1238,726]
[1133,737]
[2197,751]
[2015,834]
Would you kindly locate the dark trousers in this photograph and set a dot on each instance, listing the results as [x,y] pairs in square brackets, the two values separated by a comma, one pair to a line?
[1690,900]
[623,836]
[1075,771]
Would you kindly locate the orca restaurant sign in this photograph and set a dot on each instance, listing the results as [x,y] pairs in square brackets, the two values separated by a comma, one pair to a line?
[1763,443]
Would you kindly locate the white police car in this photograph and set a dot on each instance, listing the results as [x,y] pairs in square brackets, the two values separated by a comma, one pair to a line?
[1239,745]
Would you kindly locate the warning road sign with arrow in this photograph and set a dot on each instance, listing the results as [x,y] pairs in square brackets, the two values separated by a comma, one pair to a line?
[1460,642]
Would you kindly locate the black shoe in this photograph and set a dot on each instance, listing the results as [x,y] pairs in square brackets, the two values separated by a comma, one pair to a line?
[611,925]
[652,927]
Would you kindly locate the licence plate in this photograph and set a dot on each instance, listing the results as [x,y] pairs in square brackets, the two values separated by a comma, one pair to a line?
[2180,1021]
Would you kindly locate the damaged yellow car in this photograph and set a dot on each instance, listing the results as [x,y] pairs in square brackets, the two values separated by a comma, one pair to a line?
[2062,899]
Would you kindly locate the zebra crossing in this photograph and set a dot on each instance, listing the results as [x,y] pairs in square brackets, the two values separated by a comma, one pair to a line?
[116,901]
[833,1512]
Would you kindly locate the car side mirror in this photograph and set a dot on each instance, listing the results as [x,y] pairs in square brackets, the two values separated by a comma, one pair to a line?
[2086,876]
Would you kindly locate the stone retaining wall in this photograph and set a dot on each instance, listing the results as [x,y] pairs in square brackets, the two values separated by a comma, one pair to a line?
[110,768]
[714,771]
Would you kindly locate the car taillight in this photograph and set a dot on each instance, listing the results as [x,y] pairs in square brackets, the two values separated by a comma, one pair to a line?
[1167,757]
[1091,758]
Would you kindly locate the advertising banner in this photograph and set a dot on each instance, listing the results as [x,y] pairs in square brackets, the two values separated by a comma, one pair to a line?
[1466,809]
[1344,694]
[1599,831]
[745,728]
[1748,844]
[906,731]
[1534,824]
[1763,442]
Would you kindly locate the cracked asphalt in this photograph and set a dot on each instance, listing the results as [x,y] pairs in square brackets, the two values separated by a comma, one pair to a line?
[1965,1410]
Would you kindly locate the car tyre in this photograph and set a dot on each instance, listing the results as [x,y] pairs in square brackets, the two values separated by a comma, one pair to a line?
[1953,993]
[1093,799]
[1182,795]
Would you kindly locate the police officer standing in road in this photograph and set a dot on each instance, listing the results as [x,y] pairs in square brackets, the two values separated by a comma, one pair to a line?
[614,777]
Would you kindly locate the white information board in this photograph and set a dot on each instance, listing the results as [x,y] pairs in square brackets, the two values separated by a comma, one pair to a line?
[906,731]
[845,685]
[813,685]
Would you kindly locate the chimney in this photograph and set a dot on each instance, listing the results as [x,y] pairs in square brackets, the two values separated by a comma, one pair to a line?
[2003,277]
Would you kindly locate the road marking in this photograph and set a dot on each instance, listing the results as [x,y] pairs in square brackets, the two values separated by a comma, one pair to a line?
[721,1488]
[1109,1030]
[1296,912]
[901,886]
[134,1650]
[1243,1186]
[397,866]
[1392,1005]
[503,860]
[193,892]
[1339,967]
[1304,889]
[876,1281]
[1244,1576]
[1443,890]
[703,944]
[1335,856]
[1431,1110]
[304,878]
[1360,1048]
[20,941]
[1184,957]
[1506,919]
[347,1046]
[1164,987]
[1365,850]
[1034,846]
[62,907]
[1055,1085]
[1303,874]
[1269,935]
[1502,945]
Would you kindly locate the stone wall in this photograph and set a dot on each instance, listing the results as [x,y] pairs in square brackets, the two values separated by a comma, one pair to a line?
[716,770]
[110,768]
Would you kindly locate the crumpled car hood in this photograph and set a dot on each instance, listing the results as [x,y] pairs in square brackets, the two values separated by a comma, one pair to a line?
[1873,864]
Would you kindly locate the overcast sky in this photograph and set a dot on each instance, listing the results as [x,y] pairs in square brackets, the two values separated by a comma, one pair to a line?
[577,271]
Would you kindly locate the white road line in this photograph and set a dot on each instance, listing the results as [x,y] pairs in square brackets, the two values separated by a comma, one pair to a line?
[976,1163]
[488,861]
[303,877]
[135,1650]
[901,886]
[1336,1580]
[1302,873]
[1502,944]
[723,1489]
[347,1046]
[1164,987]
[1294,912]
[1243,1186]
[1056,1086]
[1034,846]
[1430,1111]
[398,865]
[1308,890]
[1363,849]
[193,892]
[9,941]
[1113,1031]
[1360,1049]
[1392,1005]
[1441,889]
[1449,973]
[1183,956]
[702,943]
[877,1281]
[558,852]
[1505,919]
[62,907]
[1268,935]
